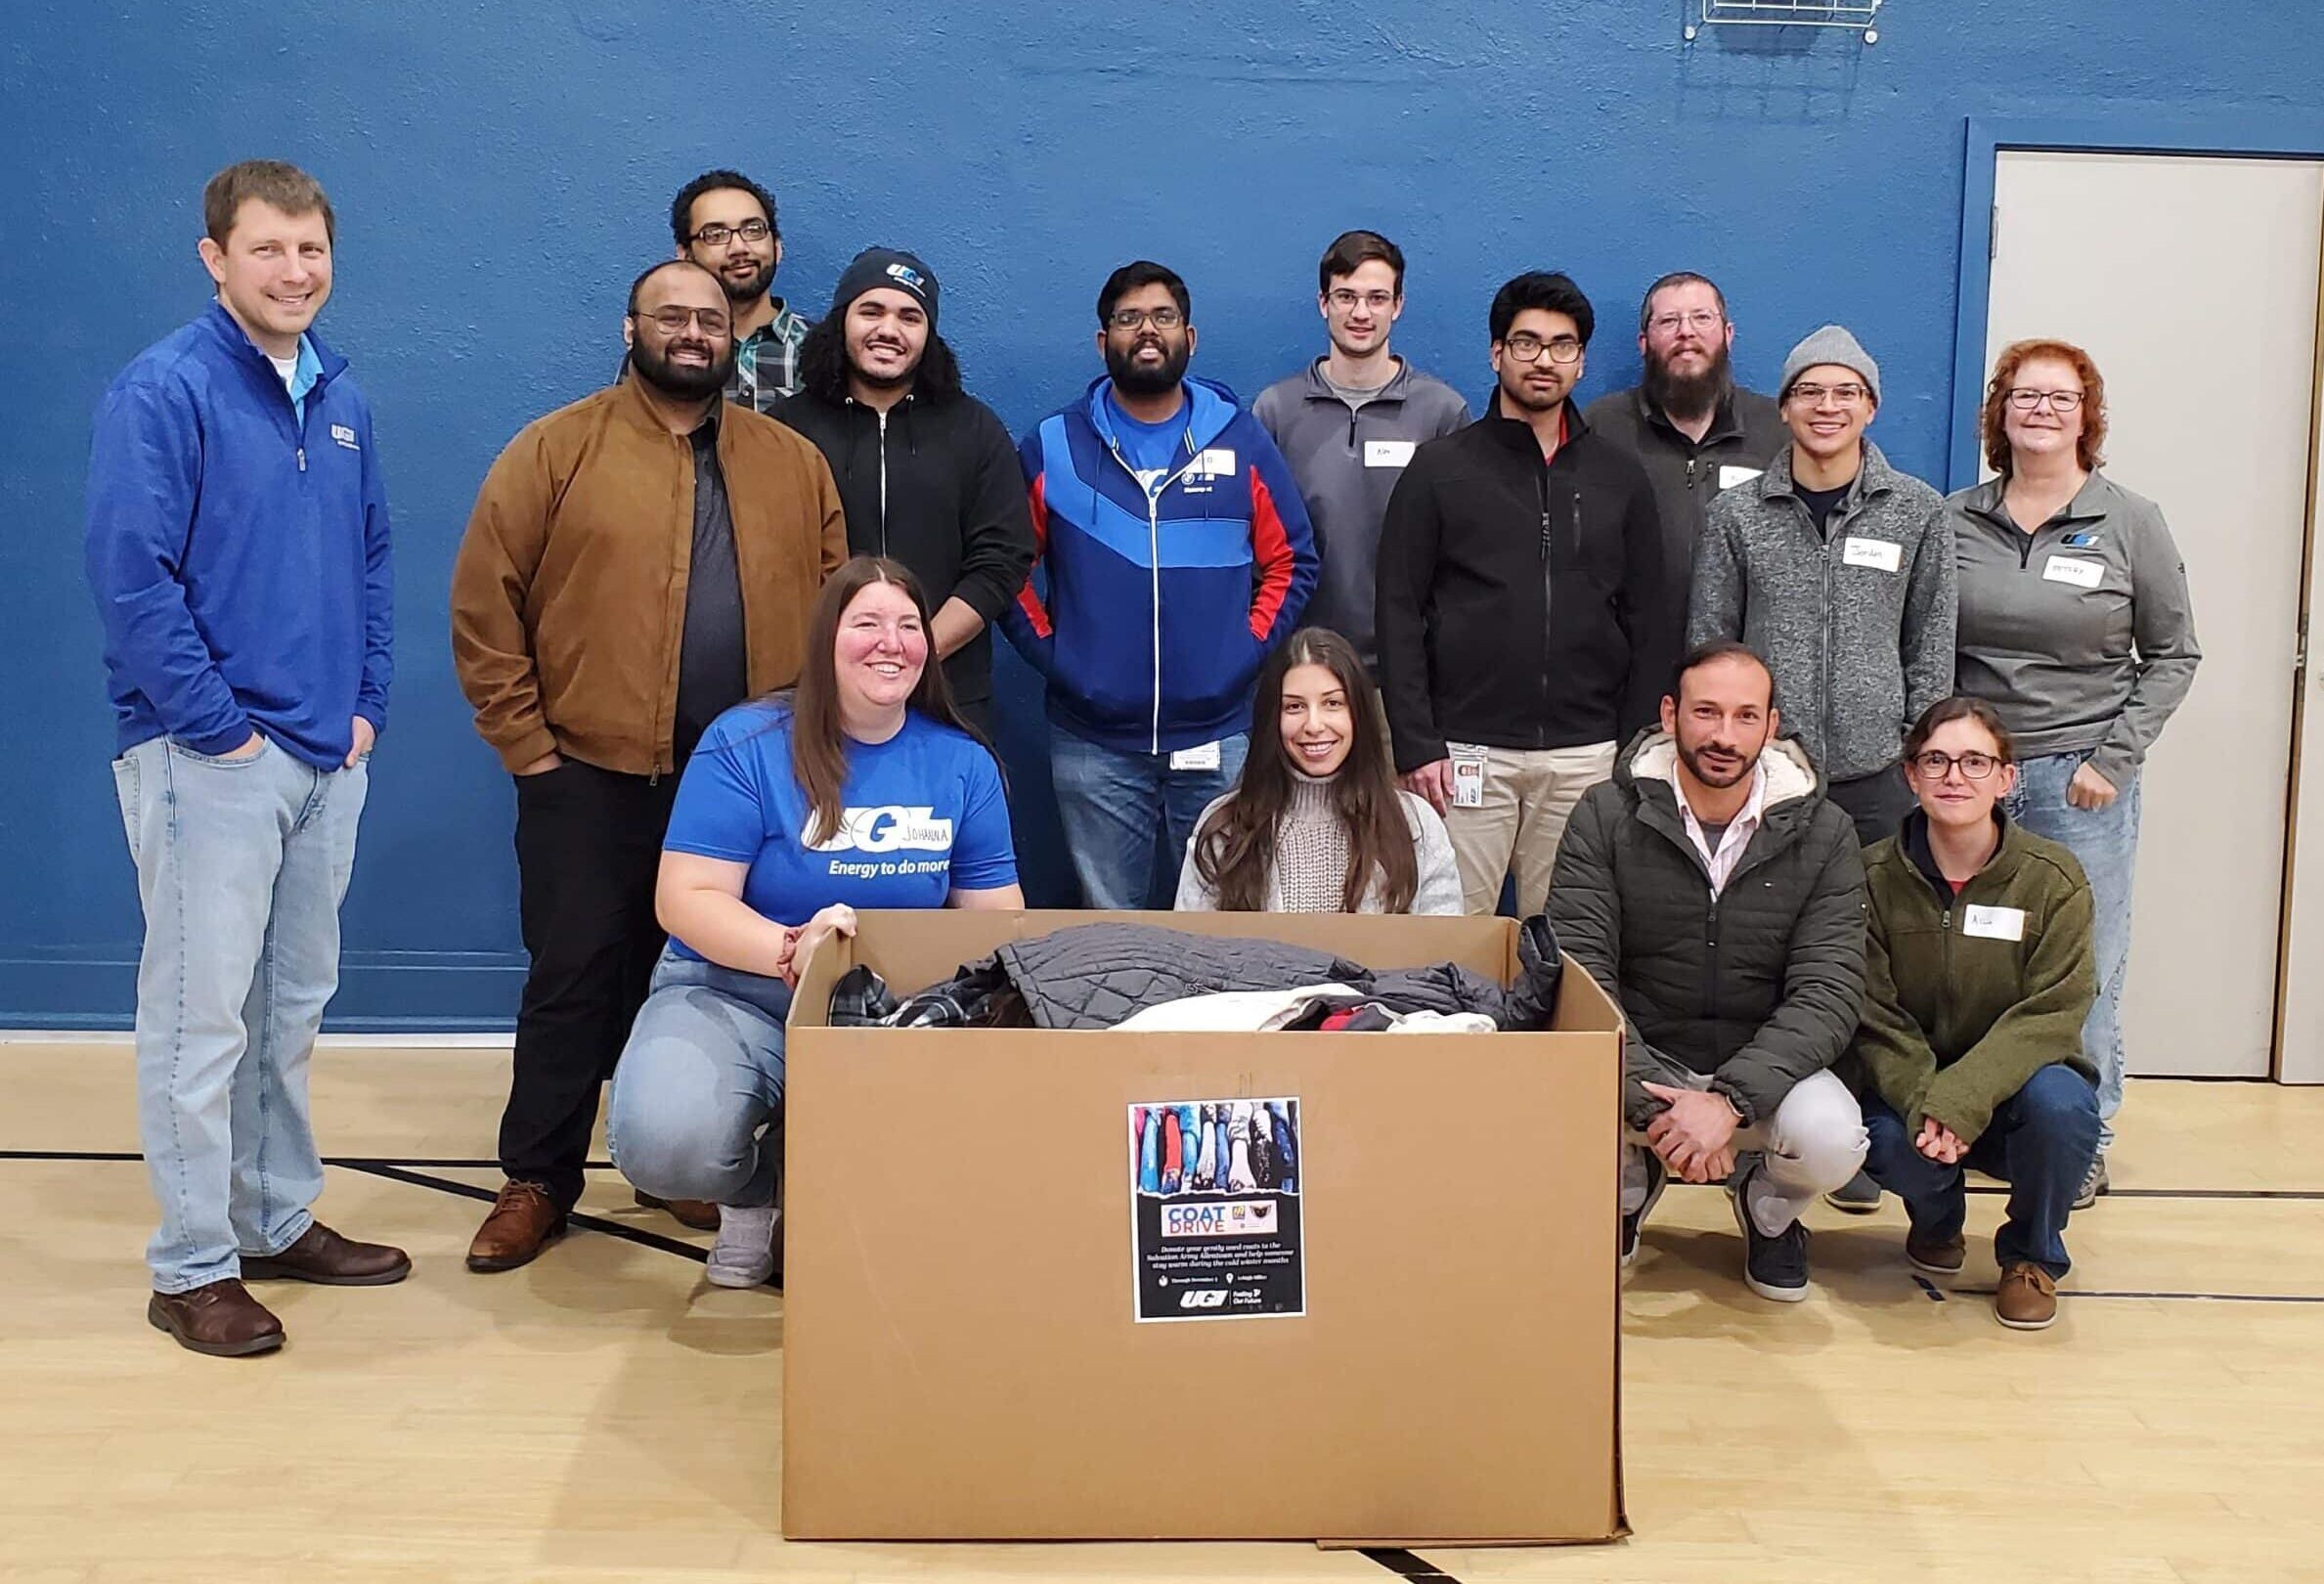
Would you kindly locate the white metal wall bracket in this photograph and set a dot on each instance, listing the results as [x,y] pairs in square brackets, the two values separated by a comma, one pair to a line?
[1852,15]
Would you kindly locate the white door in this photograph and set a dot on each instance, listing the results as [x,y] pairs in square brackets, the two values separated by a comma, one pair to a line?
[2192,281]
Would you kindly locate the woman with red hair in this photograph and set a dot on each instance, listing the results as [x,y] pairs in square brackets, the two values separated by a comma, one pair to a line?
[2076,625]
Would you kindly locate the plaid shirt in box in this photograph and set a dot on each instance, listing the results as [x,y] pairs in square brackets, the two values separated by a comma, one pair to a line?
[766,361]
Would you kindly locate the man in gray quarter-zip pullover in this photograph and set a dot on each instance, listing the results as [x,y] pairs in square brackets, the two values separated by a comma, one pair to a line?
[927,473]
[1349,423]
[1839,569]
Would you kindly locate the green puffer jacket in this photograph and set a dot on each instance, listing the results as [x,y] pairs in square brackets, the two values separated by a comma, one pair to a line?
[1966,997]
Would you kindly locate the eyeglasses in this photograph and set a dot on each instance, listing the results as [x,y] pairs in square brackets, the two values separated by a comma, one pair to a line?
[1526,347]
[673,320]
[1129,318]
[2024,398]
[1379,302]
[1814,395]
[1934,765]
[720,235]
[1702,320]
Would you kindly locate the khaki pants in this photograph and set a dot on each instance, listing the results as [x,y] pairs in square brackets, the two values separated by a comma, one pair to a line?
[1529,795]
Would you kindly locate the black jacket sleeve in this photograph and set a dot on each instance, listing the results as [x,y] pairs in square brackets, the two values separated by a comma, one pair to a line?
[1408,539]
[1649,619]
[996,536]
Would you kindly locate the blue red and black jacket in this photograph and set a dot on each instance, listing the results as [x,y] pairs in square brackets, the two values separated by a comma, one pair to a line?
[1160,606]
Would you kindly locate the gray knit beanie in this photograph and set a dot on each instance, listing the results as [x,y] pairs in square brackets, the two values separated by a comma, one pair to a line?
[1831,344]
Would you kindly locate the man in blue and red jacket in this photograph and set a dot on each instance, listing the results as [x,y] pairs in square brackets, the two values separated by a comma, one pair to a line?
[1176,556]
[237,550]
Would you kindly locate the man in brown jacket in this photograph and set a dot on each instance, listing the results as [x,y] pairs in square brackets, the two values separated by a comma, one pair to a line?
[636,563]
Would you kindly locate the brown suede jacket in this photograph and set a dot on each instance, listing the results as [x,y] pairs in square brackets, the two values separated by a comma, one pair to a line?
[569,592]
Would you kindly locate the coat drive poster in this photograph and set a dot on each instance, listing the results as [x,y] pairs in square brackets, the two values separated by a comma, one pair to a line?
[1215,1209]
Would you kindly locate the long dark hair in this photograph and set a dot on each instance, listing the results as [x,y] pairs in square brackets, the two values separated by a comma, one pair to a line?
[823,363]
[818,747]
[1235,852]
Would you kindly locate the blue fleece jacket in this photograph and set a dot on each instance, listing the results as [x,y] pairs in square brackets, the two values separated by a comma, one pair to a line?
[237,550]
[1160,603]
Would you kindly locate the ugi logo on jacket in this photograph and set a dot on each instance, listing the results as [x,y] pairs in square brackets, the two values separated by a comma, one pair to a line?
[889,829]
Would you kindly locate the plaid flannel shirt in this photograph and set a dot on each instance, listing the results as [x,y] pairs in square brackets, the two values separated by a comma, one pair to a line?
[766,361]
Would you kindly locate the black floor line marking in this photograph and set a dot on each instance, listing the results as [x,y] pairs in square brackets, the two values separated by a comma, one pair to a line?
[426,1162]
[595,1223]
[1929,1288]
[1403,1563]
[2184,1298]
[2181,1193]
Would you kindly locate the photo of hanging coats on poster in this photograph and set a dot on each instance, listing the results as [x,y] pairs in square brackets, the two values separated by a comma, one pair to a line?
[1216,1212]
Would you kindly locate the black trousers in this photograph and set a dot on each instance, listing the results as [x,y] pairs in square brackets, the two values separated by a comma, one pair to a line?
[589,843]
[1878,803]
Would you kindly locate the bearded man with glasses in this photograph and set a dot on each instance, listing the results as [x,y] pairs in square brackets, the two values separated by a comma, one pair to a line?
[726,222]
[1523,629]
[636,563]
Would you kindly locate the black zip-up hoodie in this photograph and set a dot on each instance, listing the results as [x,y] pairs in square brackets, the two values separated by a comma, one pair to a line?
[1521,605]
[936,485]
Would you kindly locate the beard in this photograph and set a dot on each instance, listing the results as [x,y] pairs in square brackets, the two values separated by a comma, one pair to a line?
[882,381]
[1712,776]
[751,287]
[1518,394]
[1690,396]
[1138,379]
[686,382]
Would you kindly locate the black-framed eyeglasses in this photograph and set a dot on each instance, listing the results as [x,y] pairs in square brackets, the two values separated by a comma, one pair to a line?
[1129,318]
[2024,398]
[1934,765]
[1844,395]
[720,236]
[673,320]
[1528,347]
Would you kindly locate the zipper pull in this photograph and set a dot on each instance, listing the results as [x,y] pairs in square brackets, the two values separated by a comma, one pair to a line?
[302,458]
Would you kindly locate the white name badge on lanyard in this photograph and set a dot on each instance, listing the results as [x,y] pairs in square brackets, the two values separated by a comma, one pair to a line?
[1995,923]
[1387,453]
[1468,775]
[2077,570]
[1204,758]
[1877,553]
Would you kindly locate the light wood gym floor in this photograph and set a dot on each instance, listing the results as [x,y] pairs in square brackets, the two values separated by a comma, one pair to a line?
[604,1413]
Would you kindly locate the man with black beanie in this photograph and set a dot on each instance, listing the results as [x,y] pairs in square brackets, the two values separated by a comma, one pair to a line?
[926,472]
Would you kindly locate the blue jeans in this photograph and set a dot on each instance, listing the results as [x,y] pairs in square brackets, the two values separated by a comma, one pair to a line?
[697,1103]
[240,866]
[1115,805]
[2040,1142]
[2106,841]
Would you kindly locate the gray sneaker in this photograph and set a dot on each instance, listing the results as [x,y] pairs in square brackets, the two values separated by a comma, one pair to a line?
[1860,1195]
[744,1253]
[2094,1183]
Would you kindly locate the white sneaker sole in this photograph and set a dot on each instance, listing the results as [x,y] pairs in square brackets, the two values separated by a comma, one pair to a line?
[2026,1325]
[734,1277]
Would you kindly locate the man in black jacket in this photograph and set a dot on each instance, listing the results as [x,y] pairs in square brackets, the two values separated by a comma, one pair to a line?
[927,473]
[1712,889]
[1523,626]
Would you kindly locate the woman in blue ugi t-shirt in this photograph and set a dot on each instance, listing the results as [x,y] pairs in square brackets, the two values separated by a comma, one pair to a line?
[861,789]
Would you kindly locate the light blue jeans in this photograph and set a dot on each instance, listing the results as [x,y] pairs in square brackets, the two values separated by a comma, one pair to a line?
[697,1103]
[241,868]
[2106,841]
[1115,805]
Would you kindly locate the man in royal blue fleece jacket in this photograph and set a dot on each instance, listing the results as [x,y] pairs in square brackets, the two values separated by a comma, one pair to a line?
[237,550]
[1176,556]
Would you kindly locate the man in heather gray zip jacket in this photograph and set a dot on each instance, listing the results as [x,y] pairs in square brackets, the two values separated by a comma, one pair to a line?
[1349,423]
[1839,569]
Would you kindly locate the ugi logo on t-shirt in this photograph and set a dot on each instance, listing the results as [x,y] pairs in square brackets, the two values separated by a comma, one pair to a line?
[889,829]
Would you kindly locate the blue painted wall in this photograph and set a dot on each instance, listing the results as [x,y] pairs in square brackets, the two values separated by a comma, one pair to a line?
[502,167]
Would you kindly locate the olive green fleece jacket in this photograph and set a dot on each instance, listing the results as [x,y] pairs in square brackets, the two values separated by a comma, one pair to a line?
[1955,1022]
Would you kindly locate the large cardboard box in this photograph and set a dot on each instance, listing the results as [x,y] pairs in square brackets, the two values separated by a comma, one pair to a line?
[961,1356]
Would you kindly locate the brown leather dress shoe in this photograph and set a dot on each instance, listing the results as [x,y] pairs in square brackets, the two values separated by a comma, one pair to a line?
[523,1220]
[2027,1299]
[322,1256]
[221,1319]
[699,1213]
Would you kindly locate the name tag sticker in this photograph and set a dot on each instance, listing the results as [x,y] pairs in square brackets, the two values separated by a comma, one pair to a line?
[1217,462]
[2077,570]
[1730,475]
[1995,923]
[1877,553]
[1468,775]
[1204,758]
[1387,453]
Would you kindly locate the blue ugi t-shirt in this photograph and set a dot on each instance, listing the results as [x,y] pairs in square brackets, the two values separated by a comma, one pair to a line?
[923,815]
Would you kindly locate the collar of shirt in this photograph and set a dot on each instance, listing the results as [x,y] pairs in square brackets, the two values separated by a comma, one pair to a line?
[1720,863]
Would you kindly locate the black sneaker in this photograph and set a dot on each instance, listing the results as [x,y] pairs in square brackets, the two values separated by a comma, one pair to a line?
[1859,1196]
[1776,1267]
[2094,1183]
[1657,1179]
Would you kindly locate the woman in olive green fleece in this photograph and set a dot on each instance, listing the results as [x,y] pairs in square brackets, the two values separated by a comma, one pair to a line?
[1977,978]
